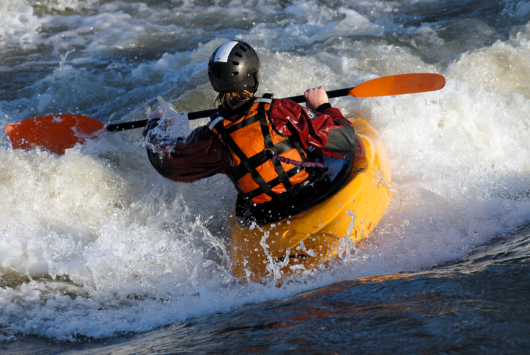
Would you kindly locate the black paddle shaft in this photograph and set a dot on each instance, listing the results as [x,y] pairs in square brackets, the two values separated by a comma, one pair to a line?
[116,127]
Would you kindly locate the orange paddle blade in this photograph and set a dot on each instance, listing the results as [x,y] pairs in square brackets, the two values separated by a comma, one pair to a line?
[54,133]
[399,85]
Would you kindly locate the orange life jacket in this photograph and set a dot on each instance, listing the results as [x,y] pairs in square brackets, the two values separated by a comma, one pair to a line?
[252,142]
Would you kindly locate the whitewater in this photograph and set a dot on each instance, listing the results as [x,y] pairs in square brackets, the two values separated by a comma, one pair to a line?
[100,254]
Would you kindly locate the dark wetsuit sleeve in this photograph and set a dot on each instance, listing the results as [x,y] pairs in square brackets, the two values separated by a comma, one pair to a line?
[199,156]
[326,130]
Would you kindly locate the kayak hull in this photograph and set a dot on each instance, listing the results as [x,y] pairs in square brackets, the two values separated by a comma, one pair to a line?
[312,237]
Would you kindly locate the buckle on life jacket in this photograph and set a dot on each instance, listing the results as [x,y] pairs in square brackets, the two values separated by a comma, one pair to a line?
[269,152]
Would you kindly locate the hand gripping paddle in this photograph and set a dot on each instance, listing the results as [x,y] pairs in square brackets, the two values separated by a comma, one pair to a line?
[55,133]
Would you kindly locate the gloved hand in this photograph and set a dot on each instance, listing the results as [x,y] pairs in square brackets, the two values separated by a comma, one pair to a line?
[155,114]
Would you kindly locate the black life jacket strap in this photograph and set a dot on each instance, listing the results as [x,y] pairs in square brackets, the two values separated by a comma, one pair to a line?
[283,178]
[258,179]
[242,124]
[292,172]
[214,120]
[249,165]
[260,158]
[295,139]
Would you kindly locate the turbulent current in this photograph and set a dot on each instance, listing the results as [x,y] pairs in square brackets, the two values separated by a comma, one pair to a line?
[100,254]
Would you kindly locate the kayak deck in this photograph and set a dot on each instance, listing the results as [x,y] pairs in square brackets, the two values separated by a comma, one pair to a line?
[312,237]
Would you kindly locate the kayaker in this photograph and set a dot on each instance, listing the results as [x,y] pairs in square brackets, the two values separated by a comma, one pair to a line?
[270,149]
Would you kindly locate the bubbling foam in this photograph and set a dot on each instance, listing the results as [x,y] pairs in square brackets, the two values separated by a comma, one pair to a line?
[18,25]
[457,156]
[507,65]
[84,231]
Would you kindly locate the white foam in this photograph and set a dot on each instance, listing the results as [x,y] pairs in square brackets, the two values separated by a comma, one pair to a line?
[507,65]
[133,246]
[62,5]
[18,25]
[179,65]
[455,154]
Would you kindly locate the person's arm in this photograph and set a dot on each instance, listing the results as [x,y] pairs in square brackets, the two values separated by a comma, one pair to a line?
[199,156]
[324,128]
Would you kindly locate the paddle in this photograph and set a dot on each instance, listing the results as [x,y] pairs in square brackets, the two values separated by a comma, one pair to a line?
[59,132]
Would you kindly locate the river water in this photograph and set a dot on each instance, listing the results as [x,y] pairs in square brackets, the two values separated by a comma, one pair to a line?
[99,254]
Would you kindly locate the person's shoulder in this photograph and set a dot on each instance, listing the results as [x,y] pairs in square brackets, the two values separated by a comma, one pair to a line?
[285,100]
[287,104]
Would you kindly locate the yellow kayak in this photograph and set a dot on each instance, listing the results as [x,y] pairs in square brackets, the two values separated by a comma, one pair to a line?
[309,238]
